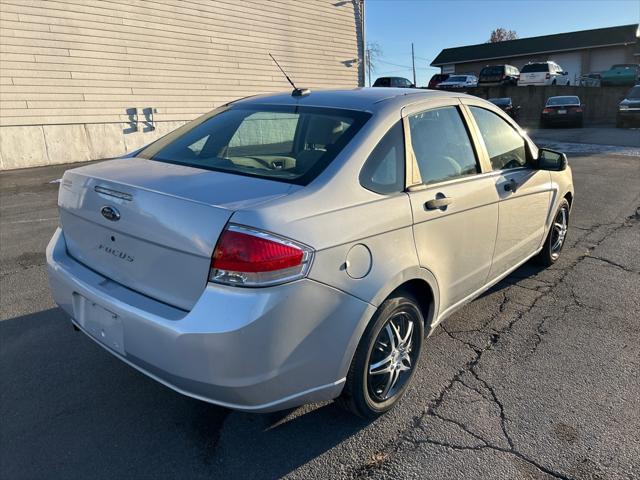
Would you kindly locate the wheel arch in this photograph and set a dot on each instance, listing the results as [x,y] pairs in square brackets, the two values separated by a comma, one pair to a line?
[421,284]
[418,282]
[569,197]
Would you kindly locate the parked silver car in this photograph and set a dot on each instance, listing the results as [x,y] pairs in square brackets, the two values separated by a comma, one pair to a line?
[288,249]
[458,81]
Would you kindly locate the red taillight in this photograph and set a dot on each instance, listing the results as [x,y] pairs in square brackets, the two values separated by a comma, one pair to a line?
[547,110]
[249,257]
[577,109]
[547,76]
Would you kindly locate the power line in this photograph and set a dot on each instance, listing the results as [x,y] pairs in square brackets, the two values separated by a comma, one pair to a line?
[394,64]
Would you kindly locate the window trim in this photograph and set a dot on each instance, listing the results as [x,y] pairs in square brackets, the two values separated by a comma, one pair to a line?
[528,165]
[531,148]
[413,177]
[403,186]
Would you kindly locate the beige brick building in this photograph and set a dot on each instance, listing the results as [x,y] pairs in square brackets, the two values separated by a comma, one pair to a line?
[75,75]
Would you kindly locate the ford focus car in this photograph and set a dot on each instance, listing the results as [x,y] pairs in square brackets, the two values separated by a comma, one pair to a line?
[286,249]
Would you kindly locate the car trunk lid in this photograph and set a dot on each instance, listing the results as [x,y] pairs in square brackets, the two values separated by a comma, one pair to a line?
[152,226]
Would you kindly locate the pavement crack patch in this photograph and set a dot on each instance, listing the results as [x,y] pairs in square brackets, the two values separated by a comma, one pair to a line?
[612,263]
[493,337]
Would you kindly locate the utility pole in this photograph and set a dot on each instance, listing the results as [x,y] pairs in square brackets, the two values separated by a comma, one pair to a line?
[413,64]
[368,58]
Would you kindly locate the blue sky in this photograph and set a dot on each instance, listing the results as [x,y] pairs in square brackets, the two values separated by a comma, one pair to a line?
[436,24]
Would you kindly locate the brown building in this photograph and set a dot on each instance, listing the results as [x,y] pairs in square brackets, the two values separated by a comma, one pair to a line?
[578,53]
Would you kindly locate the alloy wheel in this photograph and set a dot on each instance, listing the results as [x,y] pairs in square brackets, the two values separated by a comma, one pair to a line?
[559,232]
[392,357]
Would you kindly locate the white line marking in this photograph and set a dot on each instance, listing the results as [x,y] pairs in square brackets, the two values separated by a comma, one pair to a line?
[31,221]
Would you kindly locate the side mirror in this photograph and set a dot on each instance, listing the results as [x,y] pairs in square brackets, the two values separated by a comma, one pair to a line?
[551,160]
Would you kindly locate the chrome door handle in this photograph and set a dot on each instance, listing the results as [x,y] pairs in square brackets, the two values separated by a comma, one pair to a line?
[438,203]
[511,186]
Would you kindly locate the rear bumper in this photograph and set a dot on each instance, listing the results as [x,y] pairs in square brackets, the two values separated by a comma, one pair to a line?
[562,119]
[522,83]
[247,349]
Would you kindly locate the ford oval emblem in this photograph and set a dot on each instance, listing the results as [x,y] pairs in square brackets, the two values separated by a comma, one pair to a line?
[110,213]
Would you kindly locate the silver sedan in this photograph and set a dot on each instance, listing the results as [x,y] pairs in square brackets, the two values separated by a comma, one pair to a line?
[286,249]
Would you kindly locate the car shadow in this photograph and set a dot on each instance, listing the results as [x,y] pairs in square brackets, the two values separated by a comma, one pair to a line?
[527,270]
[70,410]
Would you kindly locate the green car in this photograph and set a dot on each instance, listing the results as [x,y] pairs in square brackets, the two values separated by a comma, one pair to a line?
[623,74]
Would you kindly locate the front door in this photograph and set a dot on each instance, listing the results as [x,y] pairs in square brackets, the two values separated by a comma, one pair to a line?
[455,207]
[524,192]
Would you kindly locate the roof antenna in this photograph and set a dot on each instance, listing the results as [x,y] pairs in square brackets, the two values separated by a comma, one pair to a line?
[297,92]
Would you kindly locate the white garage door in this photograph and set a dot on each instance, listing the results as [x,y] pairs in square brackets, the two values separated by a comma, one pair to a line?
[570,62]
[603,58]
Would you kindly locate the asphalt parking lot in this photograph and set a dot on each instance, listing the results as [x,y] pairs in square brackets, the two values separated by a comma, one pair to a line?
[539,378]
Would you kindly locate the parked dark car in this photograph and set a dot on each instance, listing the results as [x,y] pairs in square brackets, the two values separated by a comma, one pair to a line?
[590,80]
[499,75]
[565,110]
[437,79]
[506,104]
[397,82]
[629,109]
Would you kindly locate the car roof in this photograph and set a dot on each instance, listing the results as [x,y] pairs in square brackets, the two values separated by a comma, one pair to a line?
[366,99]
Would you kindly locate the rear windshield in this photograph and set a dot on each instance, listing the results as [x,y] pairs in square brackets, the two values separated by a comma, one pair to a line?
[286,143]
[535,67]
[563,101]
[439,77]
[494,70]
[500,101]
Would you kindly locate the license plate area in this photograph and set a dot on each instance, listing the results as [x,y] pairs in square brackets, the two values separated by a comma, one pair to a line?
[562,112]
[102,324]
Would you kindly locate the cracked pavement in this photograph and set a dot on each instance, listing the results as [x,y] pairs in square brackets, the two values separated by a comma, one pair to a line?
[536,379]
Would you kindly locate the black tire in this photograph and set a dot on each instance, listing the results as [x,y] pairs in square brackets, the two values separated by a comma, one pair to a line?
[365,394]
[553,83]
[551,252]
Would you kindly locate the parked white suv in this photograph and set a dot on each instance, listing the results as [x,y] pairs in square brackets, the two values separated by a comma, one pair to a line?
[543,73]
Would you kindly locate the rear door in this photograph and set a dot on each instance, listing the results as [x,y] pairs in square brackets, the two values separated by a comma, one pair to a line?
[454,205]
[524,192]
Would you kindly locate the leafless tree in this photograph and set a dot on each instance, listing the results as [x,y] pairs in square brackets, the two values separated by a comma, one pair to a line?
[373,54]
[501,34]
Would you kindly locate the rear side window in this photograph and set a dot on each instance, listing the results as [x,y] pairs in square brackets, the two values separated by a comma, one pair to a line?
[287,143]
[384,170]
[492,70]
[504,145]
[441,145]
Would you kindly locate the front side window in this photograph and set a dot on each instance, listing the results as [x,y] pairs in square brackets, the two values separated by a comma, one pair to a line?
[505,146]
[441,145]
[286,143]
[384,170]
